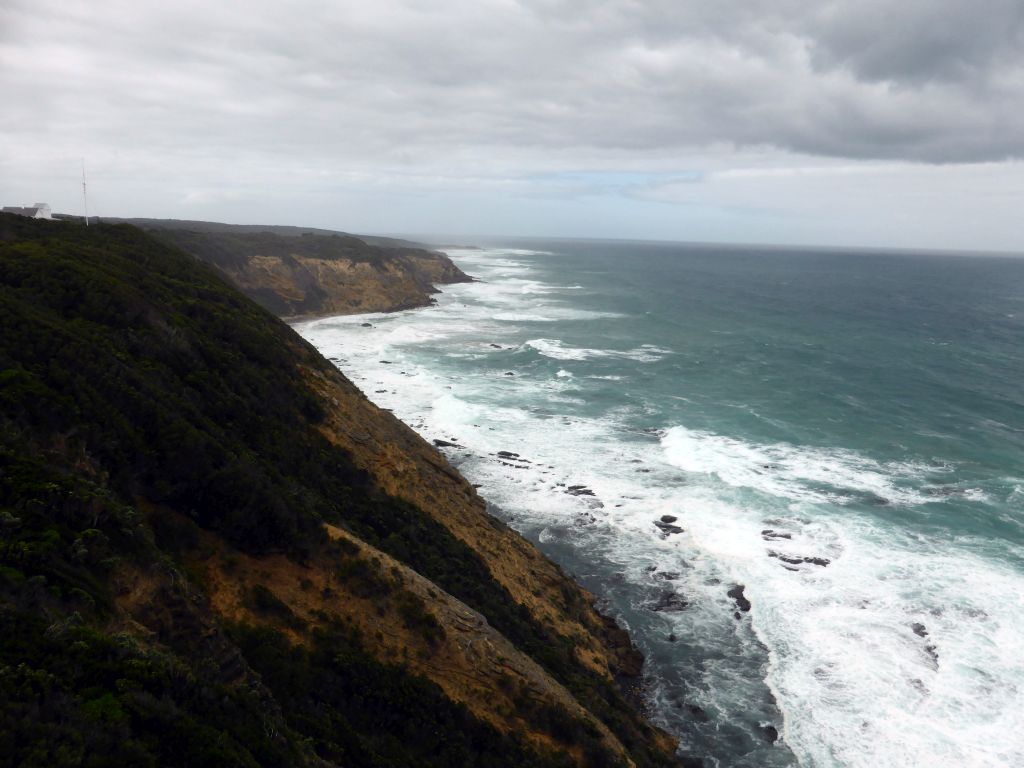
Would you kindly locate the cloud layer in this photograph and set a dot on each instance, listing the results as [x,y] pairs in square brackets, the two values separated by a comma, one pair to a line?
[313,92]
[933,80]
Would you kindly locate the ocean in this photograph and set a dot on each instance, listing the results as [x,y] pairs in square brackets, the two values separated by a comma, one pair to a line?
[796,475]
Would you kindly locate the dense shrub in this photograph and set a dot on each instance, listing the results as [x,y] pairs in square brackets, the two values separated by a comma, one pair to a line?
[359,712]
[130,371]
[72,696]
[416,617]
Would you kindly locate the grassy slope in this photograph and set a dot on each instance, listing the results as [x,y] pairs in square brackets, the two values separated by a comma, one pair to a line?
[130,372]
[284,230]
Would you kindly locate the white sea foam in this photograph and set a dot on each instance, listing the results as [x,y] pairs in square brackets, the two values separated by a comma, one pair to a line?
[557,350]
[799,473]
[863,688]
[492,255]
[902,649]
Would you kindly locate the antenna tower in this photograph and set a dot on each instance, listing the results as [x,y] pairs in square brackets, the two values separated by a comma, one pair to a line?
[85,196]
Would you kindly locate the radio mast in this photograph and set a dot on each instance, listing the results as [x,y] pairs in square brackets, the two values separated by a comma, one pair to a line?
[85,196]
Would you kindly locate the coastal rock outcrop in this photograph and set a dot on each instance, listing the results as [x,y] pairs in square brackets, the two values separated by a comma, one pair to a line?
[318,274]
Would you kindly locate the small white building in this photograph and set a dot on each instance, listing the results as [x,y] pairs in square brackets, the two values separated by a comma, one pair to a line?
[37,211]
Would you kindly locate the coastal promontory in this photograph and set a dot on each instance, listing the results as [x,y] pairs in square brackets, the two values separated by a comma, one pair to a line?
[214,550]
[293,271]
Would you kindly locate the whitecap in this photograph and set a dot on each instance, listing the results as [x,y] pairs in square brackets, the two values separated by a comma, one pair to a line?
[845,660]
[801,473]
[558,350]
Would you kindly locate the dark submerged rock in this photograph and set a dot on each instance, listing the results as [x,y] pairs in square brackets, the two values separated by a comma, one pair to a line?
[736,593]
[579,490]
[798,560]
[698,713]
[446,444]
[667,528]
[669,602]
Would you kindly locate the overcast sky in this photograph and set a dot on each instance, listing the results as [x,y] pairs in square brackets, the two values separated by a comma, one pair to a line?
[855,122]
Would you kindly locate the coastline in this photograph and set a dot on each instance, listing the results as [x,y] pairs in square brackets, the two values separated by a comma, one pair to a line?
[506,467]
[310,274]
[630,672]
[552,378]
[295,526]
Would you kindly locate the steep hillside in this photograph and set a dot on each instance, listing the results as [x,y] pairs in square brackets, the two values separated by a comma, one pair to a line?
[285,230]
[316,274]
[215,551]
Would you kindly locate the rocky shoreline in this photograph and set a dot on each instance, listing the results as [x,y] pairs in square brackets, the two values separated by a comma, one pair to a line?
[245,268]
[344,583]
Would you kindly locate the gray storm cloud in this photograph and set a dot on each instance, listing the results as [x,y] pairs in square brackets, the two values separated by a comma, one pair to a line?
[937,81]
[842,121]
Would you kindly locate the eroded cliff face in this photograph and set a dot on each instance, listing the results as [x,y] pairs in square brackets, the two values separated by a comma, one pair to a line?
[408,467]
[320,274]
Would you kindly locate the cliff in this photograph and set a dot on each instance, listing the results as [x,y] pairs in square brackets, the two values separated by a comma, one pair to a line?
[294,272]
[215,551]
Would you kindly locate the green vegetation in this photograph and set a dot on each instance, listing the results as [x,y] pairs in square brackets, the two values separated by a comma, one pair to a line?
[232,250]
[263,601]
[133,377]
[359,712]
[159,225]
[416,617]
[60,535]
[73,696]
[145,364]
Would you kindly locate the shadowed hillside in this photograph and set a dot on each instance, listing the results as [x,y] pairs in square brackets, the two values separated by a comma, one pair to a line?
[215,551]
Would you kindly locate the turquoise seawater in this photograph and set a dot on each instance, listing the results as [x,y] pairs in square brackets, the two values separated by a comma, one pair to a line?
[839,433]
